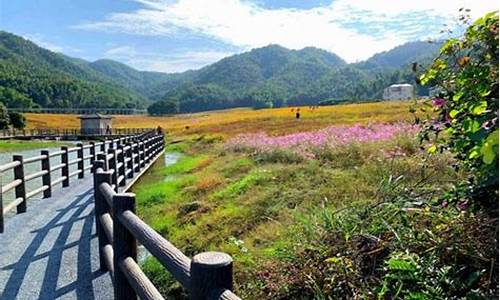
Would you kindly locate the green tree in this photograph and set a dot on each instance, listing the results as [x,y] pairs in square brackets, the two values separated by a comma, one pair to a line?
[164,107]
[17,120]
[466,74]
[4,117]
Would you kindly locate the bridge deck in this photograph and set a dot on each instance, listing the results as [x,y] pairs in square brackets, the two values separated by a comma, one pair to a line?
[50,252]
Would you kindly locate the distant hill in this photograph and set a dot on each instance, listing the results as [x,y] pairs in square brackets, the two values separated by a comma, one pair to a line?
[263,77]
[31,76]
[403,55]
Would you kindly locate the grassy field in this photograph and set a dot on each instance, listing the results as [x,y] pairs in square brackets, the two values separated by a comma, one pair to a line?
[305,217]
[230,122]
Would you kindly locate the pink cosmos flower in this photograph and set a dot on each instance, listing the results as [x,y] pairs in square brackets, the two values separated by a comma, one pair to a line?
[306,144]
[438,102]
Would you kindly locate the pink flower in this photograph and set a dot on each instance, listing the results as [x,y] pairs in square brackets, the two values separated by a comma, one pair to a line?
[306,144]
[438,102]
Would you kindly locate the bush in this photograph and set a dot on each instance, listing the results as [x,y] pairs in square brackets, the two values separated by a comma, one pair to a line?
[4,117]
[164,107]
[466,74]
[17,120]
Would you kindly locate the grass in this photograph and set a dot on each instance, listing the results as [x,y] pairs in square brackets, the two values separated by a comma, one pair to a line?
[357,222]
[245,120]
[16,145]
[318,229]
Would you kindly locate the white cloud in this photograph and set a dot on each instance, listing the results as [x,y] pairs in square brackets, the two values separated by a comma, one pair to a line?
[179,61]
[354,29]
[44,43]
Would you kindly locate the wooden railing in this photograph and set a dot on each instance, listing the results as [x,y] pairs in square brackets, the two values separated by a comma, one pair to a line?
[40,133]
[207,276]
[47,173]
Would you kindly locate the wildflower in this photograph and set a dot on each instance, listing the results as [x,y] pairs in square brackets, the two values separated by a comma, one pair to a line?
[463,205]
[438,102]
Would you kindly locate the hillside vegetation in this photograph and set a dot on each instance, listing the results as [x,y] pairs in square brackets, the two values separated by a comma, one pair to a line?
[33,76]
[271,76]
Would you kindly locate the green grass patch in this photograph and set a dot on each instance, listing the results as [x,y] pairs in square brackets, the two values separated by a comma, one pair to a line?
[16,145]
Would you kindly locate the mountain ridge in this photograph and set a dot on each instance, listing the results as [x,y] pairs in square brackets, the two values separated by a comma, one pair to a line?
[262,77]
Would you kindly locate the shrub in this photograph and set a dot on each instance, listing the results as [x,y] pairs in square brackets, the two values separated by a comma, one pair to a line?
[17,120]
[466,74]
[4,117]
[164,107]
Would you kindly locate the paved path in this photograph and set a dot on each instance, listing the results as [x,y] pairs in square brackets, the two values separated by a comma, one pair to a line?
[50,252]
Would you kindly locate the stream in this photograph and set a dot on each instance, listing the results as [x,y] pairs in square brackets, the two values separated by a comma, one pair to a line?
[168,159]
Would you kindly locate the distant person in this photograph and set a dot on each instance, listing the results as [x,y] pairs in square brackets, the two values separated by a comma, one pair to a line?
[159,130]
[297,114]
[108,129]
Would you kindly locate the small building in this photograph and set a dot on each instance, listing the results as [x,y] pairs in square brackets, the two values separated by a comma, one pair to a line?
[95,124]
[402,91]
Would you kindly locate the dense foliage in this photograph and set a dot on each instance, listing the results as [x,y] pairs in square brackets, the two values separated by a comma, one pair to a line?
[33,76]
[274,76]
[271,76]
[164,107]
[17,120]
[466,76]
[4,117]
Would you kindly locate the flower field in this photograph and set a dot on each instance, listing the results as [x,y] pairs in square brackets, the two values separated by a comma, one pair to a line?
[306,144]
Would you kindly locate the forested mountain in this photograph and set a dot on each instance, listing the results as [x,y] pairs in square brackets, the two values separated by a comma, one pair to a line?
[31,76]
[263,77]
[401,56]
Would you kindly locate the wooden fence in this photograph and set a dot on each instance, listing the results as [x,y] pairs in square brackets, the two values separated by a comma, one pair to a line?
[84,153]
[69,132]
[207,276]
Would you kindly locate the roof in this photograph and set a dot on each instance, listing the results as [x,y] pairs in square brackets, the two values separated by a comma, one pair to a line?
[96,116]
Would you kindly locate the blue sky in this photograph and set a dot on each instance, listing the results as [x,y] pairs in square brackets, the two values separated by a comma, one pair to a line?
[177,35]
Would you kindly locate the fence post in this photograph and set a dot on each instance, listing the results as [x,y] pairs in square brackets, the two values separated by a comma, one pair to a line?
[1,206]
[121,161]
[81,163]
[137,159]
[130,163]
[124,245]
[142,154]
[101,207]
[21,188]
[102,157]
[211,272]
[112,167]
[46,181]
[65,169]
[93,149]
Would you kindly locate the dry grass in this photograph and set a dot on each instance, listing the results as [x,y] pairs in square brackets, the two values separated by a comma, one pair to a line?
[234,121]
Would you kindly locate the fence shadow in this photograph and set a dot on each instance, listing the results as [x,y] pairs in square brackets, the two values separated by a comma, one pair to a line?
[74,222]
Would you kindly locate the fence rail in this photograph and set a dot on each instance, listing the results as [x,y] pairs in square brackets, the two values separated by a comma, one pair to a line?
[207,276]
[84,153]
[74,132]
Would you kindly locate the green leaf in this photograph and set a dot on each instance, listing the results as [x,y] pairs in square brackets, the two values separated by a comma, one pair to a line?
[454,113]
[432,149]
[489,150]
[458,96]
[479,108]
